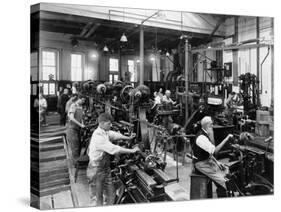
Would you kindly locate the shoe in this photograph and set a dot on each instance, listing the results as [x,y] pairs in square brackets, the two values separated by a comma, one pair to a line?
[93,202]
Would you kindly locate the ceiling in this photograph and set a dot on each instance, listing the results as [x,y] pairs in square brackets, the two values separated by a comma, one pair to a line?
[108,32]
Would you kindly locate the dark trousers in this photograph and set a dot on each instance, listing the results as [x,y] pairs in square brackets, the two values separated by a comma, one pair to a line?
[63,118]
[73,140]
[100,182]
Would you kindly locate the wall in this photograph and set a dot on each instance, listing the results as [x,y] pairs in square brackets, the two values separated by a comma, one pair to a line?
[94,68]
[247,58]
[202,65]
[61,43]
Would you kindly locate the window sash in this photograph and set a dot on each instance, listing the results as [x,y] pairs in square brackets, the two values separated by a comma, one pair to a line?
[113,64]
[49,64]
[76,67]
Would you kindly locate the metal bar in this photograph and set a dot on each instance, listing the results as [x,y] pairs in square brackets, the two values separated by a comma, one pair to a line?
[272,67]
[235,53]
[186,77]
[261,67]
[232,47]
[258,61]
[141,55]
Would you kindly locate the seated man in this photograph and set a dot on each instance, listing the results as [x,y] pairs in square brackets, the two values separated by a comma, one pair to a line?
[204,150]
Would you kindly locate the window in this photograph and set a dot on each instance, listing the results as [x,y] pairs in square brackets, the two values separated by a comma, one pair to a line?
[113,77]
[113,70]
[76,67]
[48,89]
[113,65]
[49,65]
[131,69]
[49,71]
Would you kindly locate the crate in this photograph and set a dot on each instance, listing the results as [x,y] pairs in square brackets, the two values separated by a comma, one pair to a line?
[263,116]
[262,129]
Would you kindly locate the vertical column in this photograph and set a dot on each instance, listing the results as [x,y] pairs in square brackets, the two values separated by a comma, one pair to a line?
[272,64]
[186,77]
[141,54]
[258,61]
[235,53]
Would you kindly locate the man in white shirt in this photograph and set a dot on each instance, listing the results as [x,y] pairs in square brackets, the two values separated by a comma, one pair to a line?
[204,150]
[167,98]
[100,149]
[42,109]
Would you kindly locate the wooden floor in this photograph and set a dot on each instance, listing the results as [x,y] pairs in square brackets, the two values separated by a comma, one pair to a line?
[50,166]
[58,189]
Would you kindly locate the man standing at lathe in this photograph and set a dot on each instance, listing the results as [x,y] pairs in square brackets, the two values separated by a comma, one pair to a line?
[100,149]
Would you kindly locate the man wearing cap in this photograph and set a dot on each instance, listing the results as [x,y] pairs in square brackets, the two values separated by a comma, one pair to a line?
[100,149]
[204,151]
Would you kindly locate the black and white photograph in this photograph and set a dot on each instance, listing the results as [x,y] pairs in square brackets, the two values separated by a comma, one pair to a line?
[135,106]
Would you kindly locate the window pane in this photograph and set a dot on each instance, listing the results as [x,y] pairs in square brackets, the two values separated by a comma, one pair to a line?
[131,68]
[113,64]
[52,89]
[115,77]
[45,89]
[76,67]
[48,64]
[130,63]
[48,58]
[48,71]
[111,78]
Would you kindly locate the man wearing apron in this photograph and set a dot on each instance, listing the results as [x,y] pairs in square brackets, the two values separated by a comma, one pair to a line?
[100,149]
[73,127]
[204,150]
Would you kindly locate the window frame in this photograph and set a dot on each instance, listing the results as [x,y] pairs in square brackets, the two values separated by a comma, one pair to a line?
[48,82]
[82,66]
[114,71]
[132,76]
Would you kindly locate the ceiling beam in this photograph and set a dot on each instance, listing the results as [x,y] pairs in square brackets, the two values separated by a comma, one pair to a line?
[220,21]
[92,30]
[86,29]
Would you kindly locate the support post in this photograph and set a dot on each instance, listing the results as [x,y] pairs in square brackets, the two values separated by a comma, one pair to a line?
[235,54]
[258,62]
[141,55]
[272,65]
[186,77]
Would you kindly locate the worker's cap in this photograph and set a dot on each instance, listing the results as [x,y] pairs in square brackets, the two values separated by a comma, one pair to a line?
[105,117]
[206,120]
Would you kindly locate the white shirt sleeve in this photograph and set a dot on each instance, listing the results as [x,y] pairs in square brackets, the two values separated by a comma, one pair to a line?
[204,143]
[114,135]
[157,100]
[99,144]
[108,147]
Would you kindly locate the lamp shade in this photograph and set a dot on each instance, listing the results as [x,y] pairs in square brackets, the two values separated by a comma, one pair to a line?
[105,49]
[123,38]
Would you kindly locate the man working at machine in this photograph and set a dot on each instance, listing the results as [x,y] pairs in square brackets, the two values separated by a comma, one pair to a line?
[100,149]
[73,127]
[167,98]
[204,151]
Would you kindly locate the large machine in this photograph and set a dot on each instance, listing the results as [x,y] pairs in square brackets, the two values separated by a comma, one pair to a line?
[141,177]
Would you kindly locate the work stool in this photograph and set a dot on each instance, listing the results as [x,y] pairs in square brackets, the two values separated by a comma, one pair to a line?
[200,186]
[183,152]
